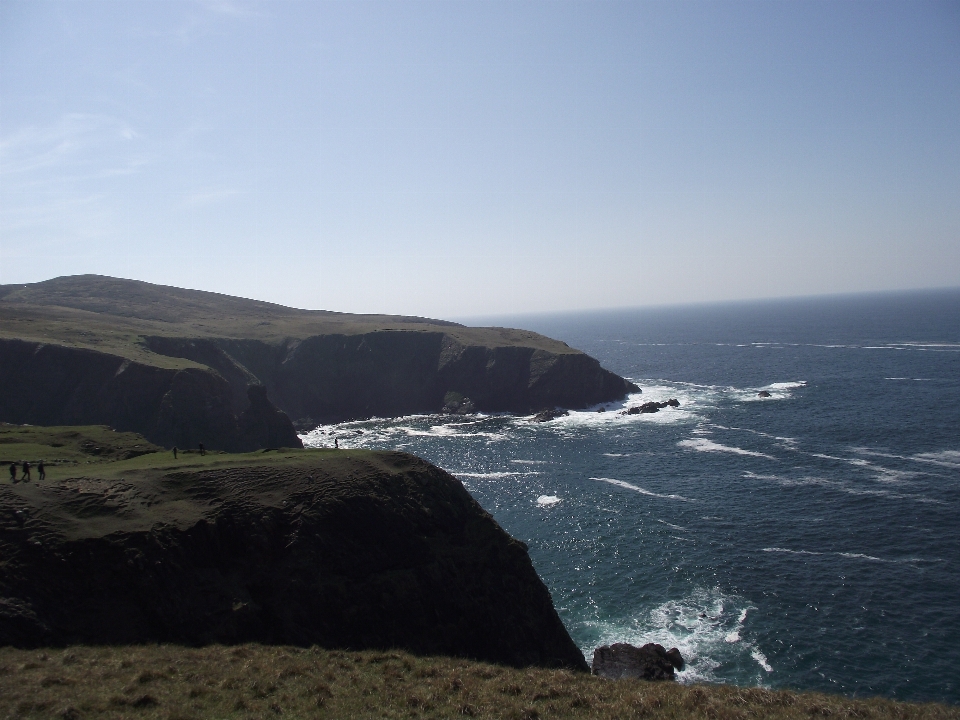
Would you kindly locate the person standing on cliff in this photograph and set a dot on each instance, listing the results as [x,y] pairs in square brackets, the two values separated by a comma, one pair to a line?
[42,473]
[174,452]
[26,472]
[202,451]
[13,472]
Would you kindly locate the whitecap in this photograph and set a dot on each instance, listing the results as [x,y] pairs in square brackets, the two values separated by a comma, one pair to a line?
[790,552]
[530,462]
[704,445]
[854,556]
[671,525]
[492,475]
[785,385]
[547,500]
[826,457]
[862,556]
[628,486]
[761,659]
[697,624]
[734,636]
[944,458]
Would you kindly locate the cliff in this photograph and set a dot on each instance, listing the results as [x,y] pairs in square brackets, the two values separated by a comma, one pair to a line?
[184,366]
[343,549]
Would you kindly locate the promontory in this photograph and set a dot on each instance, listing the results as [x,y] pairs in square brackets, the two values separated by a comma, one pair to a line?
[184,367]
[122,543]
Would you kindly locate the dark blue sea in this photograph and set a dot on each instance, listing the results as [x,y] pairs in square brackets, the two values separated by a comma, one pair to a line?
[808,540]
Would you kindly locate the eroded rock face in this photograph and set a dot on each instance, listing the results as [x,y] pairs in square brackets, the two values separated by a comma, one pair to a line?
[650,662]
[46,384]
[351,549]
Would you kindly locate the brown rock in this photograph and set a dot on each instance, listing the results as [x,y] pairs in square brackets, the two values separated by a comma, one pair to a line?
[650,662]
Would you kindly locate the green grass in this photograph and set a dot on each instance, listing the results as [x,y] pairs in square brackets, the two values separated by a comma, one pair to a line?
[253,681]
[70,445]
[113,316]
[97,450]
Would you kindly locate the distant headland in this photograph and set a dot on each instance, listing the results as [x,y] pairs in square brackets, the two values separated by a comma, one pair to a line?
[184,367]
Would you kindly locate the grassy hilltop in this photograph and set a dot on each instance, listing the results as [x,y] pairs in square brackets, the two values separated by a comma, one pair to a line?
[113,315]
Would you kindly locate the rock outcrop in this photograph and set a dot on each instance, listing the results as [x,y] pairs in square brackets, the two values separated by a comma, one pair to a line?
[650,662]
[347,549]
[549,414]
[651,407]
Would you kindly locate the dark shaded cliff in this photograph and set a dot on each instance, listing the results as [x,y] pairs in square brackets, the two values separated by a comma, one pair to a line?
[350,549]
[45,384]
[183,366]
[331,378]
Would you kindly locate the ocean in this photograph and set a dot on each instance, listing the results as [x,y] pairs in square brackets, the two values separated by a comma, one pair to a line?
[806,540]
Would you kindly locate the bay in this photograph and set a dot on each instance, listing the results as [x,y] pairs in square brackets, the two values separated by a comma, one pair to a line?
[809,539]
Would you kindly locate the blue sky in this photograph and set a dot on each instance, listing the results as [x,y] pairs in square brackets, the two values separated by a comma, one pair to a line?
[464,158]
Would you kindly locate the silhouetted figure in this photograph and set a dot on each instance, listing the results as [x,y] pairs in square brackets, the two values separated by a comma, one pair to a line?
[13,472]
[41,471]
[174,452]
[336,444]
[202,451]
[26,472]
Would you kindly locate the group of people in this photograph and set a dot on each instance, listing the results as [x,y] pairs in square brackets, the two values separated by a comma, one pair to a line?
[203,450]
[26,472]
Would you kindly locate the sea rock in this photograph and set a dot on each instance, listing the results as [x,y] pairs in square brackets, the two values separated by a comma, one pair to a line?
[355,549]
[651,407]
[650,662]
[455,403]
[763,393]
[549,414]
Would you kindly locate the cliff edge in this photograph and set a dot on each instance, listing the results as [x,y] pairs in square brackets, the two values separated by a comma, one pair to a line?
[343,549]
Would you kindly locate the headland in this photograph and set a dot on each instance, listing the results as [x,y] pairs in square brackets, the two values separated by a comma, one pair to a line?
[184,367]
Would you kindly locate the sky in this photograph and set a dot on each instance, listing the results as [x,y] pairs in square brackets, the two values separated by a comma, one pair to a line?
[462,157]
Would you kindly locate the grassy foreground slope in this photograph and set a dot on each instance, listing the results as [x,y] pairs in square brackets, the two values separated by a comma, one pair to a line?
[255,681]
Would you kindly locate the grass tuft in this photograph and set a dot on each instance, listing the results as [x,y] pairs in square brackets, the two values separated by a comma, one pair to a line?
[166,682]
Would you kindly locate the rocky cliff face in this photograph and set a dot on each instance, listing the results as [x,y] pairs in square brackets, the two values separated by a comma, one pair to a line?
[46,384]
[341,549]
[331,378]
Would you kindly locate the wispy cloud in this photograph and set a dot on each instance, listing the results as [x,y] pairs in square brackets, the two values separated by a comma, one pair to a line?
[231,8]
[77,141]
[202,198]
[205,17]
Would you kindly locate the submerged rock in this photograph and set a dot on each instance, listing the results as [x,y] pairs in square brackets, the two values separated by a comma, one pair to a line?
[763,393]
[650,662]
[549,414]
